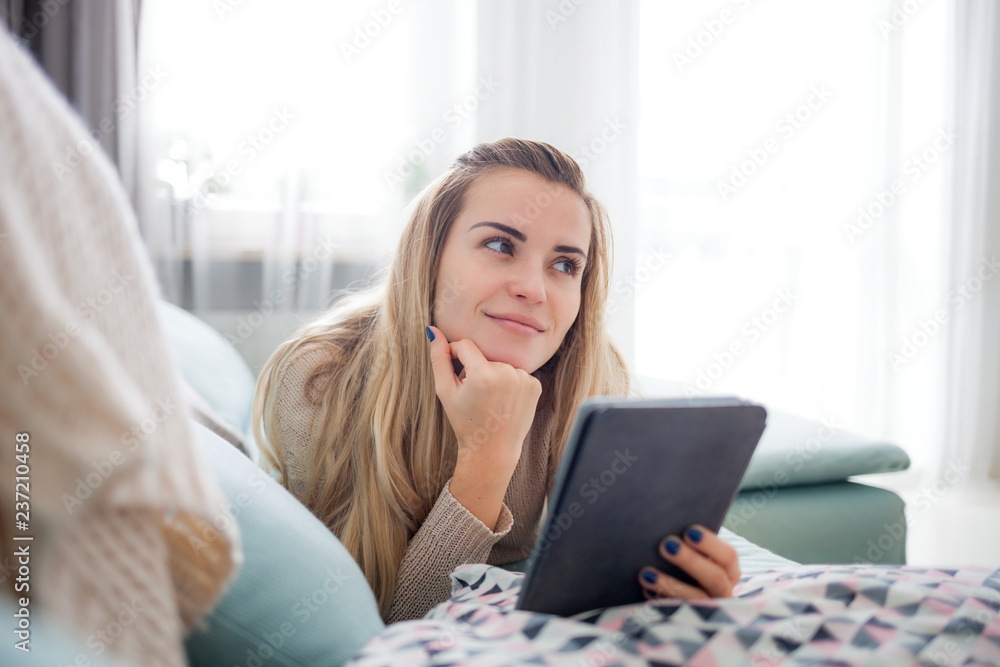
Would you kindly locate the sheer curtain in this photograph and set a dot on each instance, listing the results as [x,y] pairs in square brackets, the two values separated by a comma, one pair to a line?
[282,146]
[794,163]
[275,176]
[972,428]
[797,190]
[568,76]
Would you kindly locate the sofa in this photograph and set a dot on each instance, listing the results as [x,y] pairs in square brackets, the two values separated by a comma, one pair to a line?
[797,498]
[301,599]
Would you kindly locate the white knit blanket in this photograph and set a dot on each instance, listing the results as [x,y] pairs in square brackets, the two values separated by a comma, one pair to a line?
[121,513]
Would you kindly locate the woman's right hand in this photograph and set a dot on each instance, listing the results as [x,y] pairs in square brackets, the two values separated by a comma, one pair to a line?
[491,407]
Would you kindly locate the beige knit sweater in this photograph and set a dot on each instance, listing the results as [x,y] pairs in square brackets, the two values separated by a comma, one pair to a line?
[450,535]
[132,542]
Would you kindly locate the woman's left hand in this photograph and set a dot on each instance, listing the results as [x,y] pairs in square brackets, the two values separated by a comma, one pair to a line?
[711,562]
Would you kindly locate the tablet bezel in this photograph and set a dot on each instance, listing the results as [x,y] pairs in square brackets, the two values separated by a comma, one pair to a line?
[549,586]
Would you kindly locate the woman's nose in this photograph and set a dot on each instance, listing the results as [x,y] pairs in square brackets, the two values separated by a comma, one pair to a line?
[527,283]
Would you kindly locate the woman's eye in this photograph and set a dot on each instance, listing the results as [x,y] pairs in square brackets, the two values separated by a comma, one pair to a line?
[499,242]
[571,266]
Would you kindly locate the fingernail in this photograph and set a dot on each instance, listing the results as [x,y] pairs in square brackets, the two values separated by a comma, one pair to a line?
[649,577]
[694,534]
[672,546]
[430,334]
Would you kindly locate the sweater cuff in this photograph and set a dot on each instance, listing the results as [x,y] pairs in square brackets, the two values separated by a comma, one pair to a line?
[471,531]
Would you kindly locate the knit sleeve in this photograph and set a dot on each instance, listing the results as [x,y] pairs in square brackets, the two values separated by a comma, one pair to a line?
[450,536]
[296,428]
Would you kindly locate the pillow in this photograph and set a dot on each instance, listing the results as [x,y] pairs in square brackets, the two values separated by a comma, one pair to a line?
[796,452]
[299,597]
[211,366]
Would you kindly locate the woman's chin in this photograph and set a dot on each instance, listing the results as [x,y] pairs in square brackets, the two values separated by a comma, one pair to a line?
[515,360]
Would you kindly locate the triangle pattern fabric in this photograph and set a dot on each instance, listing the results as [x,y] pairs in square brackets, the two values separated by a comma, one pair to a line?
[807,615]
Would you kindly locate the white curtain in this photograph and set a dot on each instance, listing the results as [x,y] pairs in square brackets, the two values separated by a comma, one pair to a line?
[971,437]
[274,177]
[384,97]
[814,279]
[875,87]
[568,75]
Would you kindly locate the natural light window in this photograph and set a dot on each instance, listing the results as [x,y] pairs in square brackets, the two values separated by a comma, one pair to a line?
[769,131]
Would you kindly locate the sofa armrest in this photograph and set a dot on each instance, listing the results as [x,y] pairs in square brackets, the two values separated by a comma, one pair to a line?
[796,452]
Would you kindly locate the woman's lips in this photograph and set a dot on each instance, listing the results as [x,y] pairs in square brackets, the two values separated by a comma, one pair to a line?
[514,327]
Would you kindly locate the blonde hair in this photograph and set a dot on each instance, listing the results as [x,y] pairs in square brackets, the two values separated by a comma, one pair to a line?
[387,447]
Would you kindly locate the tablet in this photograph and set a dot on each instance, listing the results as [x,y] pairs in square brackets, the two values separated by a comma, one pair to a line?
[634,472]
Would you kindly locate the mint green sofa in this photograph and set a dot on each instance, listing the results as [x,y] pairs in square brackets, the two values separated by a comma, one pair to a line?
[300,599]
[797,498]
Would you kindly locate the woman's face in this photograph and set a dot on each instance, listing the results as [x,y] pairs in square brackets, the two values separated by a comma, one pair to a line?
[516,251]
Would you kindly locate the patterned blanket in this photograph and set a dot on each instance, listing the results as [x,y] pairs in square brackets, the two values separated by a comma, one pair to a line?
[801,615]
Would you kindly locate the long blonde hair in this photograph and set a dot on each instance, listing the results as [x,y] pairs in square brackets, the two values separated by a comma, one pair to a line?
[387,447]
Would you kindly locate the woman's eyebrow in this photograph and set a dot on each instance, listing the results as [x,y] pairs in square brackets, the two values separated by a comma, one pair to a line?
[522,238]
[503,228]
[571,249]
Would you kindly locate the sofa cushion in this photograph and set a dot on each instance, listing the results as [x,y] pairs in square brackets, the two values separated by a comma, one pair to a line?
[212,367]
[795,451]
[299,597]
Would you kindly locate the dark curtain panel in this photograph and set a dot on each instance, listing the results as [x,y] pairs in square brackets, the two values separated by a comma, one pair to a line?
[88,49]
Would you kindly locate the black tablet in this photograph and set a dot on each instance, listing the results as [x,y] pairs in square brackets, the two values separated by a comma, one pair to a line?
[635,471]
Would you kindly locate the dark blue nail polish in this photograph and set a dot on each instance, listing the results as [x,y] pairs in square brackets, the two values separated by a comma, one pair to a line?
[649,577]
[672,546]
[694,534]
[430,334]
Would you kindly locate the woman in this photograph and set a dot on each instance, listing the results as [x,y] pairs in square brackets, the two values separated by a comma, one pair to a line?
[422,459]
